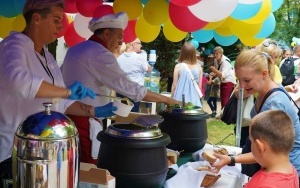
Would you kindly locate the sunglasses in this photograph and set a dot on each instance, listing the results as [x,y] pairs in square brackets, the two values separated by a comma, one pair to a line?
[268,43]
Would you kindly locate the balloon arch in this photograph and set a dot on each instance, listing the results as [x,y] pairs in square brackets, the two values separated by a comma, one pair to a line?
[251,21]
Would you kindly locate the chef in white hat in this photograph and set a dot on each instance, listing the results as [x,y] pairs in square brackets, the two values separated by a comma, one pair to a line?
[93,63]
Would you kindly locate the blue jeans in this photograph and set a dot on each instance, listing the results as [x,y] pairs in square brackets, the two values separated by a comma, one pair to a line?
[212,102]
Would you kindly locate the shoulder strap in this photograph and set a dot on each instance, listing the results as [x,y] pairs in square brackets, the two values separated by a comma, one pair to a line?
[272,91]
[193,80]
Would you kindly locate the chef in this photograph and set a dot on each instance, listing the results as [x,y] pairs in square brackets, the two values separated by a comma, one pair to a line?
[93,63]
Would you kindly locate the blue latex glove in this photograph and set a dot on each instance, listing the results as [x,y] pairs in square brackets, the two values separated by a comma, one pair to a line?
[105,111]
[79,91]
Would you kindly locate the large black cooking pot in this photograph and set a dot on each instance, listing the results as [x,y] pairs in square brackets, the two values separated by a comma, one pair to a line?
[135,155]
[187,129]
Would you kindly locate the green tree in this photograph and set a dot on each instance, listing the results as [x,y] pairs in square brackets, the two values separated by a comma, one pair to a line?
[287,22]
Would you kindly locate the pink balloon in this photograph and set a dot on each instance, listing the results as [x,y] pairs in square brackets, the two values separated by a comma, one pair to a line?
[190,23]
[184,3]
[65,25]
[103,10]
[87,7]
[71,37]
[129,32]
[70,6]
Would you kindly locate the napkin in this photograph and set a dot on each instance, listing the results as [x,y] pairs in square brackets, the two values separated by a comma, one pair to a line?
[95,128]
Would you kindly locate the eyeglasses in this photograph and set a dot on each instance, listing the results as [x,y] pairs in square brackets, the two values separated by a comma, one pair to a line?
[268,43]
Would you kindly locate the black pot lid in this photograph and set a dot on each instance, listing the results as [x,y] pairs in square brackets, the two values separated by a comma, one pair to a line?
[133,131]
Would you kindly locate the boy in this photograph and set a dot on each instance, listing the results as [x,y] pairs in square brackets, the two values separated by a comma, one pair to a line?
[272,137]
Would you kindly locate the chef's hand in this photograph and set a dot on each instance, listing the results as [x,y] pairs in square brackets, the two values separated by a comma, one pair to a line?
[79,91]
[105,111]
[223,161]
[292,88]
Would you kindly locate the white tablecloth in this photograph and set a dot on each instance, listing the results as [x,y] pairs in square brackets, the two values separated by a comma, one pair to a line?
[187,176]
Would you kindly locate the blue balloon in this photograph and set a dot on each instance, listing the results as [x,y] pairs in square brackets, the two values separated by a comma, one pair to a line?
[207,51]
[195,43]
[225,40]
[276,4]
[144,2]
[18,5]
[203,36]
[7,9]
[268,27]
[245,11]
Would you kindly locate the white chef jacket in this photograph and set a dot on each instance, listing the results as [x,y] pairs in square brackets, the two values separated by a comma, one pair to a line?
[21,75]
[228,74]
[97,68]
[134,65]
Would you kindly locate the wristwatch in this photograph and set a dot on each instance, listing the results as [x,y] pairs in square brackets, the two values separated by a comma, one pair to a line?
[232,160]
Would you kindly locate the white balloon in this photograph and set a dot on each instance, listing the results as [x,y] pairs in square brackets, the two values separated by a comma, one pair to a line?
[213,10]
[250,1]
[81,25]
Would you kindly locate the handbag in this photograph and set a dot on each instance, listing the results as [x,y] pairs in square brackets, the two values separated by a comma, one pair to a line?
[194,81]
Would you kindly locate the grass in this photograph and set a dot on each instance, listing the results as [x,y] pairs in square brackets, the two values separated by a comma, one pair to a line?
[220,133]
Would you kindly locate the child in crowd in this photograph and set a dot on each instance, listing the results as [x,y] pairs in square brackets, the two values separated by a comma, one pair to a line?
[272,137]
[214,93]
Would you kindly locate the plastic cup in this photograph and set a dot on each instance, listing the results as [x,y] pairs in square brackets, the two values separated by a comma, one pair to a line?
[123,109]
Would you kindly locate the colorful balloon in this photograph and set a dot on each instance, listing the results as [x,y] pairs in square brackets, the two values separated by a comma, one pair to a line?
[213,25]
[195,43]
[18,5]
[225,40]
[276,4]
[129,32]
[133,8]
[5,26]
[213,10]
[184,3]
[7,9]
[103,10]
[251,41]
[172,33]
[145,31]
[70,6]
[238,28]
[87,7]
[81,25]
[268,27]
[18,23]
[156,12]
[190,23]
[71,37]
[245,11]
[263,13]
[203,36]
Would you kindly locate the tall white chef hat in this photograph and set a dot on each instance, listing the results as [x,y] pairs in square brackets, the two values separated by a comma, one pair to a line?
[118,20]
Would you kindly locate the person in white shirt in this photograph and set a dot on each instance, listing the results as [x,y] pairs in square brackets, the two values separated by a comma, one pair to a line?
[223,69]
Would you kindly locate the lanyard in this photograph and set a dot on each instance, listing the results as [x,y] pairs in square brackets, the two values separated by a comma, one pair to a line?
[46,68]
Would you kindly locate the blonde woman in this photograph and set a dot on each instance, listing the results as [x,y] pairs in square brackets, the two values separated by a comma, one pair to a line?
[182,81]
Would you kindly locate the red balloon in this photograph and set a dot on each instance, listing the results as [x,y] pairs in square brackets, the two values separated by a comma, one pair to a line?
[87,7]
[70,6]
[103,10]
[190,23]
[129,32]
[65,25]
[184,3]
[71,37]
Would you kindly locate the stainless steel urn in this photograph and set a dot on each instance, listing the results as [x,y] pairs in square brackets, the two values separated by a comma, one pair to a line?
[45,151]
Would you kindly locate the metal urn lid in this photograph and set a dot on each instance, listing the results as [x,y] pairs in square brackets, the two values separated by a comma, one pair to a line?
[133,131]
[47,125]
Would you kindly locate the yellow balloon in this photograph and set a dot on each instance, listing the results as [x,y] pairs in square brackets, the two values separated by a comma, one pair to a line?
[145,31]
[244,29]
[213,25]
[263,13]
[5,26]
[224,28]
[251,41]
[172,33]
[293,44]
[133,8]
[19,23]
[156,12]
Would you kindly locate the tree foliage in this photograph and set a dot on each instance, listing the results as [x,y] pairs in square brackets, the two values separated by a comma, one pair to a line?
[287,22]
